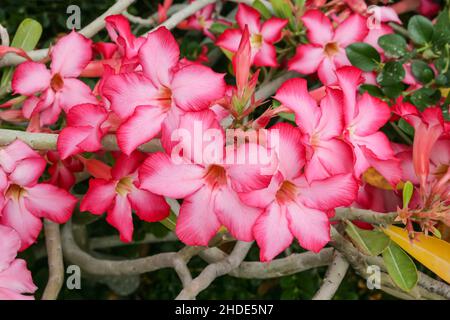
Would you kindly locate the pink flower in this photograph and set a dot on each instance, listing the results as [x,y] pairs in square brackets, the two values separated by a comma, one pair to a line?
[292,205]
[207,186]
[120,194]
[326,50]
[15,278]
[321,127]
[381,15]
[49,91]
[153,100]
[202,20]
[62,171]
[262,37]
[363,117]
[26,200]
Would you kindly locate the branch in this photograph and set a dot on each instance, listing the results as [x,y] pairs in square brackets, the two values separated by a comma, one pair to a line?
[55,261]
[270,88]
[365,215]
[89,31]
[154,17]
[47,141]
[114,241]
[215,270]
[333,278]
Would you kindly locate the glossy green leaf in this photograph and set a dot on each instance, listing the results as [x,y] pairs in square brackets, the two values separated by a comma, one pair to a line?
[394,45]
[263,10]
[408,190]
[422,71]
[392,74]
[370,242]
[420,29]
[363,56]
[400,267]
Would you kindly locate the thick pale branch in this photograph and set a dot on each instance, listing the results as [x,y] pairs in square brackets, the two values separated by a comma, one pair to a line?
[333,277]
[55,261]
[365,215]
[215,270]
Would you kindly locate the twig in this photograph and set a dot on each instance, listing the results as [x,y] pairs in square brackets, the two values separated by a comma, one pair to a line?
[364,215]
[89,31]
[55,261]
[154,17]
[333,278]
[215,270]
[271,87]
[114,241]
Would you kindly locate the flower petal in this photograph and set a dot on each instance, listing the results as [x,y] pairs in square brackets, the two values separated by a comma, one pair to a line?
[158,55]
[248,16]
[229,39]
[71,54]
[160,175]
[307,59]
[319,28]
[272,28]
[372,115]
[119,216]
[266,56]
[75,92]
[197,222]
[272,232]
[148,206]
[99,197]
[18,279]
[353,29]
[30,77]
[9,245]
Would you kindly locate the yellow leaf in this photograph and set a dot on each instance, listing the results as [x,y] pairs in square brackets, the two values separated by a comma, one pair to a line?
[445,91]
[374,178]
[432,252]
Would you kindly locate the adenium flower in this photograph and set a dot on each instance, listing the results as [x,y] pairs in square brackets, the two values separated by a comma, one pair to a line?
[167,88]
[378,24]
[207,185]
[292,205]
[62,171]
[201,20]
[117,192]
[25,200]
[326,51]
[16,282]
[50,91]
[363,117]
[262,36]
[321,127]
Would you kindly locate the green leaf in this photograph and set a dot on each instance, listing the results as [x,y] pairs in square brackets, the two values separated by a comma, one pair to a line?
[393,91]
[422,71]
[425,97]
[282,9]
[394,45]
[408,190]
[406,127]
[170,222]
[371,243]
[372,90]
[263,10]
[363,56]
[27,37]
[218,27]
[400,267]
[287,116]
[441,34]
[392,74]
[420,29]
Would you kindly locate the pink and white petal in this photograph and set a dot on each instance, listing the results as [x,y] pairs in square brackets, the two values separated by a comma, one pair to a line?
[294,95]
[13,153]
[372,115]
[6,294]
[390,169]
[307,58]
[126,91]
[349,78]
[266,56]
[195,87]
[70,139]
[9,246]
[387,14]
[330,157]
[17,278]
[291,153]
[120,217]
[99,197]
[361,163]
[30,77]
[262,198]
[271,232]
[311,227]
[378,143]
[75,92]
[327,194]
[48,201]
[28,171]
[340,59]
[158,55]
[353,29]
[148,206]
[319,27]
[327,71]
[16,216]
[127,165]
[237,217]
[272,28]
[375,33]
[197,222]
[71,54]
[29,105]
[248,16]
[86,115]
[141,127]
[229,39]
[331,121]
[158,174]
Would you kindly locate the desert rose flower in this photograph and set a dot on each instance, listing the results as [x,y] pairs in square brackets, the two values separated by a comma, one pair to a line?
[26,200]
[117,192]
[16,282]
[325,51]
[262,36]
[50,91]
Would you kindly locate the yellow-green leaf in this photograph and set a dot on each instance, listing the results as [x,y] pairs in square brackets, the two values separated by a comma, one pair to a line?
[400,267]
[370,242]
